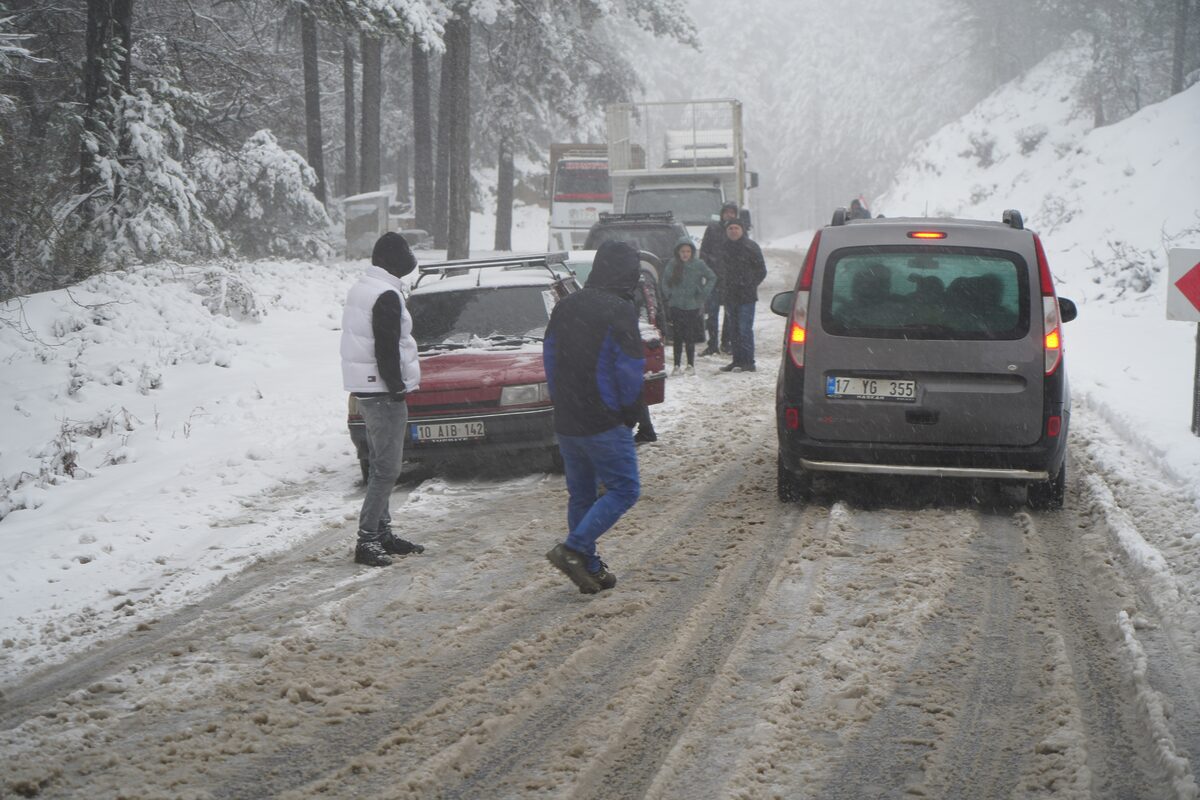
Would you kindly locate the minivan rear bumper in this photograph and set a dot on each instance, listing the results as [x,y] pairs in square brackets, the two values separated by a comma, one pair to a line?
[1037,462]
[933,472]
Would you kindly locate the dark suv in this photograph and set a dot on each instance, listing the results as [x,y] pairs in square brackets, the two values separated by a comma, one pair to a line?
[656,233]
[929,347]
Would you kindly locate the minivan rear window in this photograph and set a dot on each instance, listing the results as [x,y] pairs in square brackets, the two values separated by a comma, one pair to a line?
[927,292]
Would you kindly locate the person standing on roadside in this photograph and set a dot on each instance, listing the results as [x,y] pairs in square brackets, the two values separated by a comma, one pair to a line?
[594,361]
[380,367]
[745,269]
[710,252]
[687,286]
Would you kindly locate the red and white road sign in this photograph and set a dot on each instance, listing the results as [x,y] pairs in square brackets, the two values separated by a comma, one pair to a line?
[1183,284]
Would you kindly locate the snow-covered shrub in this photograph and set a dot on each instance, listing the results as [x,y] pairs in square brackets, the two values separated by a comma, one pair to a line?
[262,200]
[226,292]
[1129,270]
[146,206]
[1054,213]
[983,147]
[1029,137]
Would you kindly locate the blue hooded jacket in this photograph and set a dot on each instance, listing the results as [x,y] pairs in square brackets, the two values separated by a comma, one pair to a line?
[593,350]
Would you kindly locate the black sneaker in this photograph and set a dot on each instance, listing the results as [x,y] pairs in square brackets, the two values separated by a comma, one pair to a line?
[645,436]
[745,368]
[604,579]
[372,554]
[730,367]
[573,564]
[396,546]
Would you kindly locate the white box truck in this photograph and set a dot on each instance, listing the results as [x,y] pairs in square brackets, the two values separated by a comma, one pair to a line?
[683,156]
[580,190]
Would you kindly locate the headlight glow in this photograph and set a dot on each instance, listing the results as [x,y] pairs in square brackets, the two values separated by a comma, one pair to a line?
[524,394]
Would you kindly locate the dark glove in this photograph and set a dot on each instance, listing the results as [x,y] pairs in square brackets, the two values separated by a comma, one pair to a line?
[398,396]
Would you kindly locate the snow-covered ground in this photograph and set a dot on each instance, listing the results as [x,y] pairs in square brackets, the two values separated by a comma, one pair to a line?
[167,427]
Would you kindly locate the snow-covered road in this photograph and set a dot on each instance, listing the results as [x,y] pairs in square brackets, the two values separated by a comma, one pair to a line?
[923,641]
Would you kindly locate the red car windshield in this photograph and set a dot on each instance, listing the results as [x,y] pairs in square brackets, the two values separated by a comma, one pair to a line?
[499,315]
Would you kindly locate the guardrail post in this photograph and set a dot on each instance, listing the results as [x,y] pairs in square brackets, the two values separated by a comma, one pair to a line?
[1196,387]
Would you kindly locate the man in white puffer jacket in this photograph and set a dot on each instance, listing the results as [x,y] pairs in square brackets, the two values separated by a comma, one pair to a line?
[380,366]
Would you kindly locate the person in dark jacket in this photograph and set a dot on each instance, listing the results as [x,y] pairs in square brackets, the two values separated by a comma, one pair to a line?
[594,362]
[380,367]
[745,269]
[687,286]
[710,251]
[858,210]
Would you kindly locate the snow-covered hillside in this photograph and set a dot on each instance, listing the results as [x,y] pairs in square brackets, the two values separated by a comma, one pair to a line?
[1107,201]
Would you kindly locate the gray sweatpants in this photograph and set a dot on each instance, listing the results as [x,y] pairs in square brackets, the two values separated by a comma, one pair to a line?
[385,419]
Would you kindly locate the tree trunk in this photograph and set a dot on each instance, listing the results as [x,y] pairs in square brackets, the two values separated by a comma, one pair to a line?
[504,199]
[403,159]
[350,151]
[458,235]
[422,141]
[1180,51]
[312,99]
[107,20]
[441,191]
[372,97]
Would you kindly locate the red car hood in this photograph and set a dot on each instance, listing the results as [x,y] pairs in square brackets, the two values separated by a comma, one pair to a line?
[474,376]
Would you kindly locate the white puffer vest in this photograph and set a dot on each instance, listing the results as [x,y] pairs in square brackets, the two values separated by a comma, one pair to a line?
[360,373]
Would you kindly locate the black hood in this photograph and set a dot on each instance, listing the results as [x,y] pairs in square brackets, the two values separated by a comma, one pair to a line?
[615,268]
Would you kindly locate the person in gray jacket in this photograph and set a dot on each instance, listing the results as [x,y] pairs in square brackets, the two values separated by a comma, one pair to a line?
[380,367]
[687,285]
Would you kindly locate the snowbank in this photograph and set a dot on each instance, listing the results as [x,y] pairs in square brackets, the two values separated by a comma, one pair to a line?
[163,427]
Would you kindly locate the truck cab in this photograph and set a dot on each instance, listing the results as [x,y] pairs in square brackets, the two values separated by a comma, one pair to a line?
[580,191]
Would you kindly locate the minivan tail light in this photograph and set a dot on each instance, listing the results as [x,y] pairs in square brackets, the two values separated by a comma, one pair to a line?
[798,332]
[927,234]
[810,264]
[1051,321]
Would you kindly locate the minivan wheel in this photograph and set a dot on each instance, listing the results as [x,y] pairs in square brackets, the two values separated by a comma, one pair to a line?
[792,487]
[1048,495]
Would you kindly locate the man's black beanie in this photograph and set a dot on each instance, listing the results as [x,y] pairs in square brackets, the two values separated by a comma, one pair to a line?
[393,254]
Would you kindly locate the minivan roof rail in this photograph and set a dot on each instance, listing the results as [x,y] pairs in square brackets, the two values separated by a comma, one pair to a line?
[1012,218]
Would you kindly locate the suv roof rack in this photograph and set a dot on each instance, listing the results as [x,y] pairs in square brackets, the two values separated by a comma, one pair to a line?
[1012,218]
[647,216]
[513,261]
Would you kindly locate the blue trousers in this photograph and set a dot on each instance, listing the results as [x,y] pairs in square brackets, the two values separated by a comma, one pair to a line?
[742,320]
[609,458]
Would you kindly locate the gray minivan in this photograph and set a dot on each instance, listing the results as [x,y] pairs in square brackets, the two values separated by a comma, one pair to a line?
[929,347]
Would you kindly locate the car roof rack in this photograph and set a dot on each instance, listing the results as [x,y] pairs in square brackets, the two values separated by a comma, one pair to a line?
[646,216]
[1012,218]
[462,266]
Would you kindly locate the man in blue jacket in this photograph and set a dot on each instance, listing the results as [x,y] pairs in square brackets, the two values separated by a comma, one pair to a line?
[594,362]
